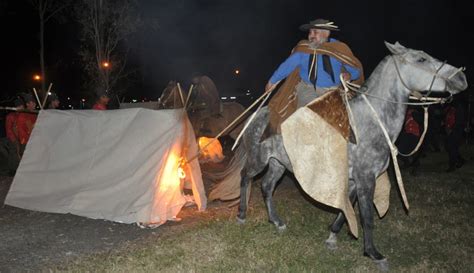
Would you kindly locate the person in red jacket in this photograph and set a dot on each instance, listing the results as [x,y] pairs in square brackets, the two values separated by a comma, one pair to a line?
[409,137]
[26,122]
[13,144]
[11,128]
[454,123]
[102,100]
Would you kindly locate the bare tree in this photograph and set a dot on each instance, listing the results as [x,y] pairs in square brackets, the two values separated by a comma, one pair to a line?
[47,9]
[105,26]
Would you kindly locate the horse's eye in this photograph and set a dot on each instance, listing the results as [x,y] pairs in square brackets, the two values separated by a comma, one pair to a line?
[421,60]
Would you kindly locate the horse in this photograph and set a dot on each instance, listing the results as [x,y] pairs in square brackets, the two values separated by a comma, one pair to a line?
[387,89]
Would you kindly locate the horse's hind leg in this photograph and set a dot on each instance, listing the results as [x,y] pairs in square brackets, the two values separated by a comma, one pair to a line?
[336,226]
[244,185]
[274,173]
[365,197]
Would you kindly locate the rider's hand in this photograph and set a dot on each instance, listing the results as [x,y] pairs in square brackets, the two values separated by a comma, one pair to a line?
[269,86]
[346,76]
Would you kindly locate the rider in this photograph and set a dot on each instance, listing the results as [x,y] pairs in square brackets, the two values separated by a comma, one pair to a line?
[312,69]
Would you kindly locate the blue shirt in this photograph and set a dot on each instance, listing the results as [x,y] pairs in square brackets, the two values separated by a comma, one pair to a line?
[301,60]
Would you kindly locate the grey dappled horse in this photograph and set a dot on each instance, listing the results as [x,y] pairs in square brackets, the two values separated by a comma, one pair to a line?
[398,74]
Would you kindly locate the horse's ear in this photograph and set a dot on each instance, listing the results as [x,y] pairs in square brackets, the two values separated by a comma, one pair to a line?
[396,48]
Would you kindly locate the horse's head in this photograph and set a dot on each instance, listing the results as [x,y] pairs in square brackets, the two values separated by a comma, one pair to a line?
[419,71]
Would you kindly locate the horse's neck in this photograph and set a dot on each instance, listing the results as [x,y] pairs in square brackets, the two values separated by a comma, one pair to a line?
[384,88]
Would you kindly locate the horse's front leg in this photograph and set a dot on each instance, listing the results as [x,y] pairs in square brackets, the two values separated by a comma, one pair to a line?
[336,226]
[365,185]
[274,173]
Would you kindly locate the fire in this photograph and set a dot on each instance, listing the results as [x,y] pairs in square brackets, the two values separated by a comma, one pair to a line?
[211,149]
[172,171]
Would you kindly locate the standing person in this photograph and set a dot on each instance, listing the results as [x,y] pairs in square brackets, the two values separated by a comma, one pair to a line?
[53,101]
[11,129]
[311,70]
[409,138]
[26,121]
[455,122]
[102,100]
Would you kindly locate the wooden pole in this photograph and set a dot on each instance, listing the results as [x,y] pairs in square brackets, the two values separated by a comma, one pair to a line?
[189,95]
[181,94]
[235,120]
[37,98]
[46,95]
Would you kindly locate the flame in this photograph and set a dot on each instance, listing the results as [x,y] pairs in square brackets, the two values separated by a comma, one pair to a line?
[210,151]
[172,171]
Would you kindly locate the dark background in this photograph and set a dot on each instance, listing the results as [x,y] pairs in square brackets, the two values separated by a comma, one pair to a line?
[217,37]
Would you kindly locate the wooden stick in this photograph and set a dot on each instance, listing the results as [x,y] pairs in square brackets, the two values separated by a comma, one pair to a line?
[235,120]
[37,98]
[47,94]
[189,95]
[181,94]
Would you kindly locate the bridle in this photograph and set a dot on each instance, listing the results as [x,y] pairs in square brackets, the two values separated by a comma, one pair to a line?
[434,73]
[393,149]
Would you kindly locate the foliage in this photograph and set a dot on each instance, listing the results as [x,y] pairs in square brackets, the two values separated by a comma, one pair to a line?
[105,27]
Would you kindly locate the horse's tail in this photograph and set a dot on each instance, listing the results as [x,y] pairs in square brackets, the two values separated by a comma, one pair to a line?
[252,136]
[229,186]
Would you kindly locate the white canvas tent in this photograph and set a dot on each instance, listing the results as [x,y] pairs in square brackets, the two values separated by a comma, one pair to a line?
[119,165]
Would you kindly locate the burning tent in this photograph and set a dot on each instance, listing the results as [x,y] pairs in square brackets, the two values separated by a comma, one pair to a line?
[121,165]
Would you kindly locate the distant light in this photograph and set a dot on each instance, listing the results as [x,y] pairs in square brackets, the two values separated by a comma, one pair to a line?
[232,98]
[83,100]
[49,93]
[36,77]
[70,106]
[68,98]
[134,100]
[223,98]
[237,71]
[105,64]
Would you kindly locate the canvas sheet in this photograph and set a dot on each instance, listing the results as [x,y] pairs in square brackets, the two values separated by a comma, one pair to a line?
[119,165]
[318,154]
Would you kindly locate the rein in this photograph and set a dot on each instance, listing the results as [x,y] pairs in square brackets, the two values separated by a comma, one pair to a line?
[426,101]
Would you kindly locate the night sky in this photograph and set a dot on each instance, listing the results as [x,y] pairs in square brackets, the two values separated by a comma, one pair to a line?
[217,37]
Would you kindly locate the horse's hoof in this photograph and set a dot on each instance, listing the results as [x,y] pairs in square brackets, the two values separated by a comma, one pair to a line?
[382,264]
[281,227]
[331,245]
[240,221]
[331,242]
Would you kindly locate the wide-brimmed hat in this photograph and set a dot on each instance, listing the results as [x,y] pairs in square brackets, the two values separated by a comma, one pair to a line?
[320,24]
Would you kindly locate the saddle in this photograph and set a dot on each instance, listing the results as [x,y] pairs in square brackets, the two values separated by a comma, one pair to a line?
[332,109]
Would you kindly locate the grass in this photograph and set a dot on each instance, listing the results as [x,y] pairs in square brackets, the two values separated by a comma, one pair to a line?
[436,236]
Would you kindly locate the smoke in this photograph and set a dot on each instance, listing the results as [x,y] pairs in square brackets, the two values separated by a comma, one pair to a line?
[216,37]
[212,37]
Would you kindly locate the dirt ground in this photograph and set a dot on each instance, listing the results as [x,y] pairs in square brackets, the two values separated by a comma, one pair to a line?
[31,240]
